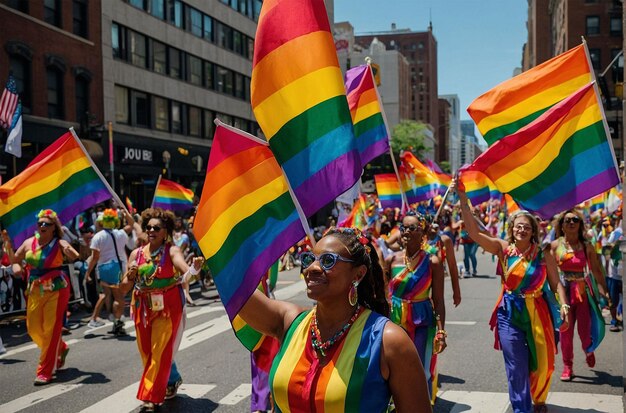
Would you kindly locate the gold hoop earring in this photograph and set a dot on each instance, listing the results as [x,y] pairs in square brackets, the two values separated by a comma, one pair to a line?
[353,294]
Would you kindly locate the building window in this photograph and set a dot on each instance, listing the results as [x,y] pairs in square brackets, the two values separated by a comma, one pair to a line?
[20,5]
[195,121]
[195,22]
[54,78]
[140,4]
[116,43]
[594,55]
[161,114]
[250,48]
[159,57]
[175,13]
[224,80]
[121,105]
[616,26]
[177,122]
[209,126]
[239,86]
[79,18]
[208,28]
[238,39]
[20,66]
[246,87]
[174,63]
[140,109]
[138,49]
[81,93]
[257,8]
[194,65]
[209,75]
[593,25]
[52,12]
[157,9]
[224,36]
[618,66]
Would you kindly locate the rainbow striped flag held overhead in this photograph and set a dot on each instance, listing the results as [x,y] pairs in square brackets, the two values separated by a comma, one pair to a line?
[556,162]
[172,196]
[515,103]
[388,189]
[299,99]
[443,178]
[61,178]
[478,187]
[367,115]
[246,217]
[419,182]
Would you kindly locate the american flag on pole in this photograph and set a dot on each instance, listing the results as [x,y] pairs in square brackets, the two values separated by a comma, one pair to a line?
[8,103]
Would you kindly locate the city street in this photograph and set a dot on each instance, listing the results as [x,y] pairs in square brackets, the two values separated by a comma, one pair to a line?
[102,372]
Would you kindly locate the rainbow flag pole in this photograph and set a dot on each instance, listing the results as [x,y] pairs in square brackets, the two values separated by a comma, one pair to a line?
[301,215]
[95,168]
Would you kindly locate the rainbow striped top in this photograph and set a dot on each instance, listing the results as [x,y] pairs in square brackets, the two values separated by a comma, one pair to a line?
[44,265]
[349,381]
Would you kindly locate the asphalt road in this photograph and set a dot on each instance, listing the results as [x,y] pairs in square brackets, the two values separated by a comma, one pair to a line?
[102,372]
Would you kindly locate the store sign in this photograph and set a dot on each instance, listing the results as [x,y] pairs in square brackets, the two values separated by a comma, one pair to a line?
[136,155]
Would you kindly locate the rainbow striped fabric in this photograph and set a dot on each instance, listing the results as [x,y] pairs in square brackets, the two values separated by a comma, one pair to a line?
[299,99]
[556,162]
[388,189]
[60,178]
[443,178]
[418,181]
[478,187]
[367,115]
[246,218]
[515,103]
[172,196]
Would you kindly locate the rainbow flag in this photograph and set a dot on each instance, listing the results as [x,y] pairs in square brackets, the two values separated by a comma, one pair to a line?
[556,162]
[443,178]
[299,99]
[358,215]
[419,182]
[510,204]
[172,196]
[388,189]
[367,113]
[61,178]
[246,218]
[477,186]
[597,202]
[515,103]
[130,206]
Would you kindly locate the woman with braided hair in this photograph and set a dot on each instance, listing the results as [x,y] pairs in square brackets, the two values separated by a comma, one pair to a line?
[343,354]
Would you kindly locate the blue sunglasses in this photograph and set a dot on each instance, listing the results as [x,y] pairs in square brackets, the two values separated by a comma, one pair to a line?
[327,260]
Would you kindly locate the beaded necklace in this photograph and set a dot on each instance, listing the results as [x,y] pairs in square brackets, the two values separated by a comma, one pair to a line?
[316,336]
[408,260]
[148,270]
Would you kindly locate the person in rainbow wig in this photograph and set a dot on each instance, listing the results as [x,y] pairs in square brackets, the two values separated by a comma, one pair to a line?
[158,270]
[48,291]
[416,293]
[343,355]
[527,316]
[577,258]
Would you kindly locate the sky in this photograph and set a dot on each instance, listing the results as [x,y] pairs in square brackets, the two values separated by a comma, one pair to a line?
[479,42]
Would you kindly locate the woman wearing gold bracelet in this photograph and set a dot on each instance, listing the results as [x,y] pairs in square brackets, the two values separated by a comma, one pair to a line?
[527,314]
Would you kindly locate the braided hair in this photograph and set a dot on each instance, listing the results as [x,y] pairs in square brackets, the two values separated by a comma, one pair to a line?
[371,289]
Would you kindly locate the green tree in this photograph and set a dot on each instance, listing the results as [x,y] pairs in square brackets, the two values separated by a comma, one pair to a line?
[445,166]
[408,135]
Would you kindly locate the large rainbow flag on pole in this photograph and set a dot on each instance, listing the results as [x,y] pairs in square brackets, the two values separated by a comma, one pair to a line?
[420,183]
[517,102]
[299,99]
[170,195]
[558,161]
[62,177]
[388,189]
[478,186]
[246,217]
[367,113]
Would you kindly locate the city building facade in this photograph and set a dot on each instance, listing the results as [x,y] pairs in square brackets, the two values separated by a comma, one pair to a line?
[470,147]
[453,155]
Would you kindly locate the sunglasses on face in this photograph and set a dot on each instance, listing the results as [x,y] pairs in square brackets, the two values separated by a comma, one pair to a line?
[42,224]
[409,228]
[571,220]
[154,228]
[522,227]
[327,260]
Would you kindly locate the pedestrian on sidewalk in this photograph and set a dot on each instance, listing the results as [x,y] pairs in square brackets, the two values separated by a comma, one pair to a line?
[580,273]
[614,277]
[48,291]
[526,315]
[158,270]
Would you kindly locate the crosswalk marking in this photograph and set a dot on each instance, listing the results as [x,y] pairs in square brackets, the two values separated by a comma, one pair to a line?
[205,310]
[461,323]
[204,331]
[37,397]
[125,400]
[241,392]
[490,402]
[30,347]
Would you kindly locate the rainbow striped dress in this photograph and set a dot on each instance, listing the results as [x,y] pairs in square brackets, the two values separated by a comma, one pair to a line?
[45,267]
[534,310]
[347,380]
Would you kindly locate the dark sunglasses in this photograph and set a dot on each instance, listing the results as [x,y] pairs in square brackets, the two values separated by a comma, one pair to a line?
[42,224]
[155,228]
[327,260]
[571,220]
[410,228]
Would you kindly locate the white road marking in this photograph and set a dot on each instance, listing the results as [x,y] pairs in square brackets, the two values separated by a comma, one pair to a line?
[37,397]
[461,323]
[30,347]
[205,310]
[204,331]
[291,291]
[240,393]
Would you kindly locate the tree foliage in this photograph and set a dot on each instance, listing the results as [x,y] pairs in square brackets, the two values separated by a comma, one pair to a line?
[408,135]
